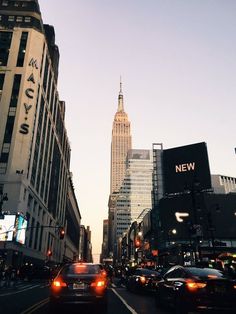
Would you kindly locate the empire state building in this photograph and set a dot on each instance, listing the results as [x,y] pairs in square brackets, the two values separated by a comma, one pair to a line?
[121,143]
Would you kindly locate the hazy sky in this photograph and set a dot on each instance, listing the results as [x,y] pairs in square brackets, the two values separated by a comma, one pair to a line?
[177,59]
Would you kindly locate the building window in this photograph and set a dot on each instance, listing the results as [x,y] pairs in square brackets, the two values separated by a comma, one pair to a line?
[3,167]
[21,54]
[6,148]
[9,129]
[5,40]
[19,19]
[2,76]
[15,90]
[27,19]
[5,3]
[4,157]
[11,18]
[12,111]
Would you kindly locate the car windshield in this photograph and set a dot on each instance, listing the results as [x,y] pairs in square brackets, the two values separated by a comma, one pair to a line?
[80,269]
[205,272]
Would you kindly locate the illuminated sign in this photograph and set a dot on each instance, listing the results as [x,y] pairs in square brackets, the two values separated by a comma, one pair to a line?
[179,216]
[21,225]
[7,227]
[186,167]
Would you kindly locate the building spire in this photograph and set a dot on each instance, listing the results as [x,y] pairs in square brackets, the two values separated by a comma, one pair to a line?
[120,99]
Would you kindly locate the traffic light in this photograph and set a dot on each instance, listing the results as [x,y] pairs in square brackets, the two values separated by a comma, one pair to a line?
[61,233]
[49,252]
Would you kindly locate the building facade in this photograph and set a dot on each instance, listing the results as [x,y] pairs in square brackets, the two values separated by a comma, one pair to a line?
[223,184]
[34,146]
[121,143]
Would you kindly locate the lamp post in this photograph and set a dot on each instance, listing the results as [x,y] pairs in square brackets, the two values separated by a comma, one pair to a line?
[171,232]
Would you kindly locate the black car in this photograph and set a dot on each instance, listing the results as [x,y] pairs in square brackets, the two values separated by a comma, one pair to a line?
[188,289]
[78,284]
[142,279]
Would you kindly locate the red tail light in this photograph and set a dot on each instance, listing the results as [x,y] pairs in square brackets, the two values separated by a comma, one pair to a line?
[58,283]
[98,284]
[193,286]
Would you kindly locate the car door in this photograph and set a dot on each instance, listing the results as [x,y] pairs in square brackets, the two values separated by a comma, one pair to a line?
[172,281]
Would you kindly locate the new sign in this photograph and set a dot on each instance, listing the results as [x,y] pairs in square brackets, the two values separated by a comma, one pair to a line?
[186,167]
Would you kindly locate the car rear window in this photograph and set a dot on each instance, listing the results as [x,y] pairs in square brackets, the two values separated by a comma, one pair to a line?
[205,272]
[76,269]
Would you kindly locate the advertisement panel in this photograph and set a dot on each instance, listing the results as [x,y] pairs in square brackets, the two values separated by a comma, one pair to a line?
[7,226]
[21,225]
[186,167]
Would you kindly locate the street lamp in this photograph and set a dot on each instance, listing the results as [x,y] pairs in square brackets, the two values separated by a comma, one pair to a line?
[3,198]
[171,232]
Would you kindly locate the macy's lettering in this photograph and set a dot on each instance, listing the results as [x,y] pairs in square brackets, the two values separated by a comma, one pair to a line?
[185,167]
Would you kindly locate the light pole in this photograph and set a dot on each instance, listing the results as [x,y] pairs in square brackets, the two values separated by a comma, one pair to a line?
[171,232]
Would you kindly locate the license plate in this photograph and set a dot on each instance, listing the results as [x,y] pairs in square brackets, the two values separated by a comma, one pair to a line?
[79,285]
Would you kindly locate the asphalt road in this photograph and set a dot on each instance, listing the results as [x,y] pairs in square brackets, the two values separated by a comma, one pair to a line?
[32,297]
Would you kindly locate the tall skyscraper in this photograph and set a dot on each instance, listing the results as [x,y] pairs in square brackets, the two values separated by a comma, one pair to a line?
[120,144]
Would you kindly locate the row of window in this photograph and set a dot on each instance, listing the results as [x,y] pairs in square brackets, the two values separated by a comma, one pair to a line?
[18,18]
[6,3]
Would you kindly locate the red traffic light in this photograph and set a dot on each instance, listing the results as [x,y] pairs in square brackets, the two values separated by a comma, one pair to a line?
[61,233]
[49,253]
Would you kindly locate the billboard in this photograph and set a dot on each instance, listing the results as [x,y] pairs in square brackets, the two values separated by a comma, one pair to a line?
[21,225]
[7,226]
[185,167]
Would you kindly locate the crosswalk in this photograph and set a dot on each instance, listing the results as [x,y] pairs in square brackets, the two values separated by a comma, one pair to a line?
[21,286]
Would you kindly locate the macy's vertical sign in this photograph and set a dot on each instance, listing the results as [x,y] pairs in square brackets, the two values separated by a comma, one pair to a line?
[30,94]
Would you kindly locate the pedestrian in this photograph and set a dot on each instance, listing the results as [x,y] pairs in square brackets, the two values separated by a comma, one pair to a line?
[8,272]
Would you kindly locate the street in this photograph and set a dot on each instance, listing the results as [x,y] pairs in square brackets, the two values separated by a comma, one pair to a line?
[32,297]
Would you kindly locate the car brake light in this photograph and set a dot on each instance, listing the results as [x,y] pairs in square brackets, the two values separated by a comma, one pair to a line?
[58,284]
[98,284]
[212,276]
[142,279]
[191,285]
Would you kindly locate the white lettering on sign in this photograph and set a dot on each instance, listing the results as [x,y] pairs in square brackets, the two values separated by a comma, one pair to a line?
[185,167]
[179,216]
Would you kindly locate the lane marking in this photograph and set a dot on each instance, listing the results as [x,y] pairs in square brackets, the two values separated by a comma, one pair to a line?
[35,306]
[124,302]
[16,292]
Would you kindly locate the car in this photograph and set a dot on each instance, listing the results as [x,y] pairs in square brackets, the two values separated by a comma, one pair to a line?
[142,280]
[188,289]
[79,284]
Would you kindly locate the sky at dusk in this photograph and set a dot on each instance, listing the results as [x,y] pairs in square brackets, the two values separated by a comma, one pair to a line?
[178,67]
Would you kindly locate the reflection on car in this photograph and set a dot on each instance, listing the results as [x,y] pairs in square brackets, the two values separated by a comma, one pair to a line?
[142,279]
[79,283]
[188,289]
